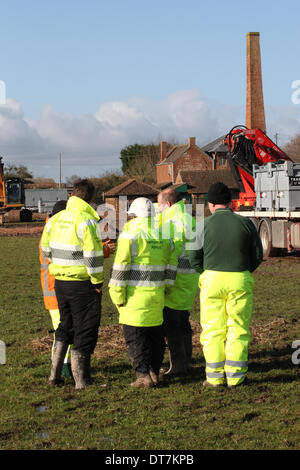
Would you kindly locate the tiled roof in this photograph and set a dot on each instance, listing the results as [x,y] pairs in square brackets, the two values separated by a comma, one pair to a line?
[132,187]
[174,154]
[200,180]
[215,146]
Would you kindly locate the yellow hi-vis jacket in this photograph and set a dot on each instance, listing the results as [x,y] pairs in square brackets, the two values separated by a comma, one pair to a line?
[181,226]
[144,265]
[72,241]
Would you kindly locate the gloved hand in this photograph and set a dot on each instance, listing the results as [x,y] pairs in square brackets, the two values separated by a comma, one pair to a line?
[98,287]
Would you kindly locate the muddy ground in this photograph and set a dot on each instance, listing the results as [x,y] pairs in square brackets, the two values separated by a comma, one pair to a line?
[11,228]
[33,229]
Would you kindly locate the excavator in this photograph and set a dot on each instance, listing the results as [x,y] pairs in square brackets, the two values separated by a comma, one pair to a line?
[12,196]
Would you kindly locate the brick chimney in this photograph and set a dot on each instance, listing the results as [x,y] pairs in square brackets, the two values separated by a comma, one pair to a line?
[192,141]
[255,112]
[163,150]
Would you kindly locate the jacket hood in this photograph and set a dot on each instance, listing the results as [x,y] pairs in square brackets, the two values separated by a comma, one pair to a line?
[78,204]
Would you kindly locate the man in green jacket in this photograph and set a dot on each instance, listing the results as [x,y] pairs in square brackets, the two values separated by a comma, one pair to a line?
[180,297]
[229,250]
[144,265]
[72,241]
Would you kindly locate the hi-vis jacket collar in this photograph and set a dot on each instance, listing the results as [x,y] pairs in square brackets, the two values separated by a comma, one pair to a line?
[76,203]
[178,206]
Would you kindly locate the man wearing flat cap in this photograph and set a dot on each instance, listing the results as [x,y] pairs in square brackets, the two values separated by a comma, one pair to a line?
[228,251]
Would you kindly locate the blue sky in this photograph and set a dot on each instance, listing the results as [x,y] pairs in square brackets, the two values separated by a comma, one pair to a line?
[87,78]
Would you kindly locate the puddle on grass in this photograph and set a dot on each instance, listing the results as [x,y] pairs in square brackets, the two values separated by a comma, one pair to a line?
[108,438]
[42,435]
[42,409]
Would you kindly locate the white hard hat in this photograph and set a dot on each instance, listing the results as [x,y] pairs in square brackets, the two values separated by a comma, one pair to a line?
[141,207]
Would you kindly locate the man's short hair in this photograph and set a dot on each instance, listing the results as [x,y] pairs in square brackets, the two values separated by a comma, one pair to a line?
[84,189]
[170,195]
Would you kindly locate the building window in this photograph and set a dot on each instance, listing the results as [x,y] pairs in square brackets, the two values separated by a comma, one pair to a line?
[222,161]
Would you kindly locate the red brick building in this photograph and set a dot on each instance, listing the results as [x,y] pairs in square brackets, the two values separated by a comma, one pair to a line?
[190,157]
[217,151]
[180,157]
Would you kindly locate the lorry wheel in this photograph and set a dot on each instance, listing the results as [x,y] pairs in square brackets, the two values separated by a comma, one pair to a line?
[265,233]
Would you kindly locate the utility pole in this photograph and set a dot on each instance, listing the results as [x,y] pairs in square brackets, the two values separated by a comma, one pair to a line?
[59,171]
[276,138]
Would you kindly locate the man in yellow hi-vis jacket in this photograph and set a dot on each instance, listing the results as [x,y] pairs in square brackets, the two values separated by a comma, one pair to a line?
[229,251]
[180,297]
[144,265]
[72,241]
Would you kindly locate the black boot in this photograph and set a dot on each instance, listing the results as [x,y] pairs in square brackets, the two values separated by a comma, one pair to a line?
[188,350]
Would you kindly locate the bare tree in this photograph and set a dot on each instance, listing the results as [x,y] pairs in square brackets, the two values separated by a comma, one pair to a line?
[292,148]
[143,166]
[106,181]
[71,179]
[17,171]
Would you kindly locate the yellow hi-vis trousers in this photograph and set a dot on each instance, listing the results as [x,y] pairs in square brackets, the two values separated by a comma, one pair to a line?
[225,314]
[55,317]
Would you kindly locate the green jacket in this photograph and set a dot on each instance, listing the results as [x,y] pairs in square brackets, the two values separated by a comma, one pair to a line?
[144,265]
[228,243]
[182,227]
[72,241]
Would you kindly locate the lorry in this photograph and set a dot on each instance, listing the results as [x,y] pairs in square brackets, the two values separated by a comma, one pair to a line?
[269,188]
[12,196]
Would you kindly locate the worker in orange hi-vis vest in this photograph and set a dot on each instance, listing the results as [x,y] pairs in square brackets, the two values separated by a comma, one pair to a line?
[50,300]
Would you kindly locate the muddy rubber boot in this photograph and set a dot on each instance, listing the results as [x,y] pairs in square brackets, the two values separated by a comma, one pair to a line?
[58,356]
[87,369]
[177,355]
[80,365]
[142,381]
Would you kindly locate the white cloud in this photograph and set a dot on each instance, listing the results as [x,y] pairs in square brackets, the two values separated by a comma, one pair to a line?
[283,120]
[91,143]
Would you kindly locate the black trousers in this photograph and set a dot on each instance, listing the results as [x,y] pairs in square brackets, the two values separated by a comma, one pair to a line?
[145,347]
[176,322]
[80,311]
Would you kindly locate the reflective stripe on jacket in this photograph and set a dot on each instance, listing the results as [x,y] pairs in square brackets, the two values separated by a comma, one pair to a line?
[181,226]
[144,265]
[72,241]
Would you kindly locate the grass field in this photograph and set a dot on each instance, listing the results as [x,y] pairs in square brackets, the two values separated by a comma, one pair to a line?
[177,415]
